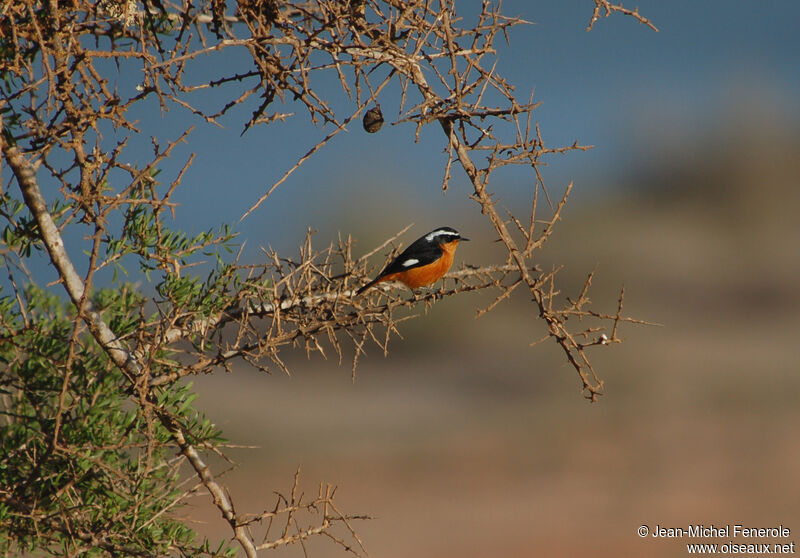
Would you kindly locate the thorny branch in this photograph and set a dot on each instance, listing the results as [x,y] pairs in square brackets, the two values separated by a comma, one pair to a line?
[105,337]
[609,8]
[66,130]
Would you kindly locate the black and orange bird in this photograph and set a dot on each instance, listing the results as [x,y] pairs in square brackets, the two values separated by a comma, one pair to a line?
[424,262]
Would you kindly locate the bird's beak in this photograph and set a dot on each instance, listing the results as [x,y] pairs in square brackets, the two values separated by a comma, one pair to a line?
[462,239]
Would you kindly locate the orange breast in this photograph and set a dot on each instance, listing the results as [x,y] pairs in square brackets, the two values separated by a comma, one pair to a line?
[427,274]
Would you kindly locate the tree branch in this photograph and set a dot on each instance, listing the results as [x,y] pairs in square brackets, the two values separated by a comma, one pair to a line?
[26,178]
[119,354]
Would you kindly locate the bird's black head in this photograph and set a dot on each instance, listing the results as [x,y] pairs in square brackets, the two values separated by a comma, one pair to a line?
[444,235]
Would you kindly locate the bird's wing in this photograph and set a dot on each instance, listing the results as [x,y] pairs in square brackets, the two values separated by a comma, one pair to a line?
[420,253]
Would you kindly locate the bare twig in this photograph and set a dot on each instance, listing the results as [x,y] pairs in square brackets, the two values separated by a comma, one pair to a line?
[610,8]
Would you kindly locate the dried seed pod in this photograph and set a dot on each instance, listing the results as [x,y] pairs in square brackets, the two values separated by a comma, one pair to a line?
[373,119]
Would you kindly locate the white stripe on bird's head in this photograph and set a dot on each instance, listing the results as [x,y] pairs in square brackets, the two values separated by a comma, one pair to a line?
[444,231]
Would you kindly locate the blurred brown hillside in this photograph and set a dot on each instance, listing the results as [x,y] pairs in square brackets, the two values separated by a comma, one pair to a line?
[467,442]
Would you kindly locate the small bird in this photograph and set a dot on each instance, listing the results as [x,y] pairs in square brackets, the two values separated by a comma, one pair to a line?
[424,262]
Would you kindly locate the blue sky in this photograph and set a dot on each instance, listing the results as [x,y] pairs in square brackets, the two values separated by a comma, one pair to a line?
[622,88]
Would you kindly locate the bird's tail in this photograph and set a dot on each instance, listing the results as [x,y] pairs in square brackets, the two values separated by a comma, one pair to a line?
[368,285]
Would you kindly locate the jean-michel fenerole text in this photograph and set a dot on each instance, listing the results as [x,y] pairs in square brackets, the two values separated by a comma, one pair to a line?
[721,531]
